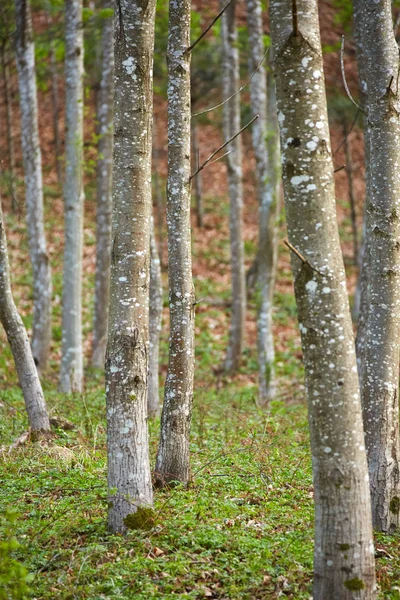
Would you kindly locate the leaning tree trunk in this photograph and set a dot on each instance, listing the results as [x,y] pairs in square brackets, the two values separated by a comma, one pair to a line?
[155,316]
[18,340]
[129,476]
[352,197]
[9,121]
[104,192]
[32,158]
[197,181]
[344,551]
[380,383]
[267,181]
[71,379]
[230,85]
[173,459]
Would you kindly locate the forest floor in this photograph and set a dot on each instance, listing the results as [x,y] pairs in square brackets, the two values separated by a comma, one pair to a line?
[243,529]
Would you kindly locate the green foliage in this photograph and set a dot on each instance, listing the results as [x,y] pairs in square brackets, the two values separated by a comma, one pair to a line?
[14,577]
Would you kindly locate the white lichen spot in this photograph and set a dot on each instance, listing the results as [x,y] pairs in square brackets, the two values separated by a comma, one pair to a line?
[311,286]
[298,179]
[326,290]
[327,450]
[305,61]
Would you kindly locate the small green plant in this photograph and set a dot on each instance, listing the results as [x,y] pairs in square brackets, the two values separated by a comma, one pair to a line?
[14,577]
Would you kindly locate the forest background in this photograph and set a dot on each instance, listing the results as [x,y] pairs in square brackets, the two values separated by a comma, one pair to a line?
[243,528]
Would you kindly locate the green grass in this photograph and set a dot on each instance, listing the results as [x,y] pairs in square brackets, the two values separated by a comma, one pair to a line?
[243,529]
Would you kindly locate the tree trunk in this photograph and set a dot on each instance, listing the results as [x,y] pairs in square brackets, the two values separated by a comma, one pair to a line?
[197,181]
[230,84]
[129,476]
[9,121]
[71,379]
[380,383]
[173,459]
[56,112]
[104,192]
[350,180]
[344,551]
[268,185]
[155,316]
[18,340]
[32,158]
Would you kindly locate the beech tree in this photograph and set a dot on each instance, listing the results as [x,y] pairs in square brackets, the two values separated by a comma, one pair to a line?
[231,125]
[173,460]
[344,551]
[127,363]
[104,191]
[155,316]
[71,378]
[380,348]
[19,343]
[267,181]
[32,159]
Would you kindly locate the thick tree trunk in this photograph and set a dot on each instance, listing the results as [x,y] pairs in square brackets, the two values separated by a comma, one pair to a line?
[230,84]
[344,551]
[104,193]
[18,340]
[32,158]
[267,181]
[173,459]
[127,363]
[9,121]
[71,379]
[155,316]
[380,383]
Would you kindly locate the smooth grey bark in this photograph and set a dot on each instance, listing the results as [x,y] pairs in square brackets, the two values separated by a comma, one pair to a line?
[266,150]
[71,377]
[344,550]
[173,457]
[380,381]
[197,181]
[231,125]
[127,357]
[104,192]
[155,317]
[32,159]
[19,343]
[5,57]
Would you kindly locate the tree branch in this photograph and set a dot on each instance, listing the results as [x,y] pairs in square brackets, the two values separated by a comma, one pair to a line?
[207,110]
[346,87]
[207,29]
[205,163]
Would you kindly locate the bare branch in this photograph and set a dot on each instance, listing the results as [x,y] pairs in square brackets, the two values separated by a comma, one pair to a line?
[339,169]
[206,162]
[346,87]
[207,110]
[207,29]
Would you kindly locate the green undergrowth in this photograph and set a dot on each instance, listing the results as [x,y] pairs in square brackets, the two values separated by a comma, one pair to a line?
[243,529]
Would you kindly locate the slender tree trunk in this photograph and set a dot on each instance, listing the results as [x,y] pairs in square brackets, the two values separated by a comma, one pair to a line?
[56,112]
[230,84]
[104,193]
[71,379]
[32,158]
[350,180]
[267,181]
[173,459]
[9,121]
[127,362]
[344,551]
[380,383]
[158,189]
[197,181]
[155,316]
[18,340]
